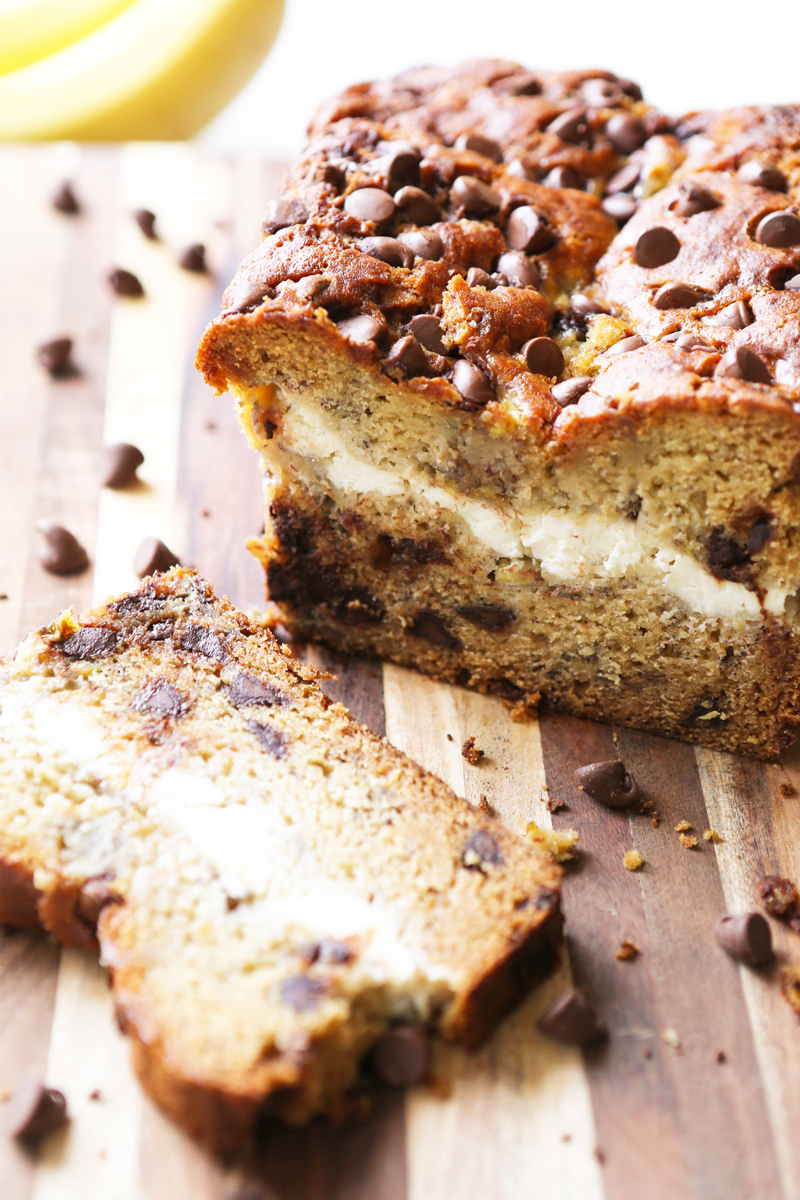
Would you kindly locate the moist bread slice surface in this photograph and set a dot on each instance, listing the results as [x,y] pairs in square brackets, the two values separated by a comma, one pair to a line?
[272,887]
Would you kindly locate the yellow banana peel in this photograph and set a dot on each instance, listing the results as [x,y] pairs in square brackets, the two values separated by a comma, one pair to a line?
[32,29]
[160,69]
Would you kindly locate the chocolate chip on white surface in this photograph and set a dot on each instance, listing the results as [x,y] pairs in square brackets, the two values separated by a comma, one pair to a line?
[120,463]
[62,553]
[153,556]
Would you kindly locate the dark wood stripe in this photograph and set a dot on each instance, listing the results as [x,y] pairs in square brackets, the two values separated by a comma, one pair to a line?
[670,1122]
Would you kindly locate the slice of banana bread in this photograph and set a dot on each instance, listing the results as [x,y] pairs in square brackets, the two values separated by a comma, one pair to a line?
[520,357]
[272,886]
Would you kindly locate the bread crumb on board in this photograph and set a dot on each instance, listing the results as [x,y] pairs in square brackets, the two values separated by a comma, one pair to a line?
[632,860]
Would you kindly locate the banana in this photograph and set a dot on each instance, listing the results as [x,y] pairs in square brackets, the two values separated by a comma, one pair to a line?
[161,69]
[32,29]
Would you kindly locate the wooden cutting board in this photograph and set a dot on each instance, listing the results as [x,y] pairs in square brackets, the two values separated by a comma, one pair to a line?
[696,1094]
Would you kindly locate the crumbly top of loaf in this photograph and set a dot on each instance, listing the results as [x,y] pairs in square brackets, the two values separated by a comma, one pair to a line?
[439,222]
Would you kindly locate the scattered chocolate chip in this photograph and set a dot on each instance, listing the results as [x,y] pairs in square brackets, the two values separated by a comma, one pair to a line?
[361,330]
[693,198]
[518,169]
[743,363]
[370,204]
[624,179]
[424,243]
[602,93]
[609,783]
[124,283]
[54,356]
[204,641]
[400,166]
[244,294]
[431,628]
[482,851]
[334,175]
[302,993]
[488,147]
[571,390]
[273,740]
[746,937]
[33,1111]
[153,556]
[527,231]
[519,269]
[779,230]
[471,753]
[571,1019]
[161,698]
[62,553]
[778,895]
[625,345]
[571,126]
[387,249]
[400,1057]
[565,177]
[479,278]
[655,247]
[92,899]
[678,295]
[524,83]
[92,641]
[688,341]
[543,356]
[488,616]
[408,356]
[246,690]
[474,196]
[500,279]
[120,463]
[193,258]
[733,316]
[415,205]
[759,535]
[620,207]
[65,201]
[764,175]
[428,330]
[146,221]
[472,385]
[793,284]
[625,132]
[280,214]
[582,306]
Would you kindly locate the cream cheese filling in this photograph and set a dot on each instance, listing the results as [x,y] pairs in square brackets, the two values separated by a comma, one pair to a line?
[566,548]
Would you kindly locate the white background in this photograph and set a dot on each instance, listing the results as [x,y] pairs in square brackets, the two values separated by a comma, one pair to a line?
[709,53]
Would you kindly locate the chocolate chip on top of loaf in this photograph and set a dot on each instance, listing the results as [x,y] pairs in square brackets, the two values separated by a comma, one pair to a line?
[546,336]
[273,888]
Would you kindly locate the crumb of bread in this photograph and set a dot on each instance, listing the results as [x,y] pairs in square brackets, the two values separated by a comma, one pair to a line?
[655,820]
[632,860]
[790,986]
[688,842]
[558,843]
[470,752]
[682,827]
[524,709]
[627,950]
[672,1038]
[711,835]
[786,789]
[553,804]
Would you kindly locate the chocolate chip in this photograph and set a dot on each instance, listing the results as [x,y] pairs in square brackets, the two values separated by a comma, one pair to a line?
[521,271]
[733,316]
[779,230]
[625,132]
[582,306]
[120,463]
[54,356]
[92,641]
[146,221]
[743,363]
[161,698]
[724,554]
[153,556]
[624,179]
[361,330]
[193,258]
[400,1057]
[488,616]
[424,243]
[428,330]
[301,993]
[62,554]
[571,126]
[415,205]
[409,357]
[282,213]
[524,83]
[746,937]
[474,196]
[33,1111]
[764,175]
[759,535]
[246,690]
[478,144]
[400,166]
[571,390]
[620,207]
[203,641]
[655,247]
[478,278]
[430,627]
[625,345]
[793,284]
[65,201]
[602,93]
[481,852]
[472,385]
[694,199]
[527,231]
[678,295]
[565,177]
[571,1019]
[519,170]
[688,341]
[93,897]
[543,356]
[388,250]
[609,783]
[244,294]
[334,175]
[124,283]
[273,740]
[370,204]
